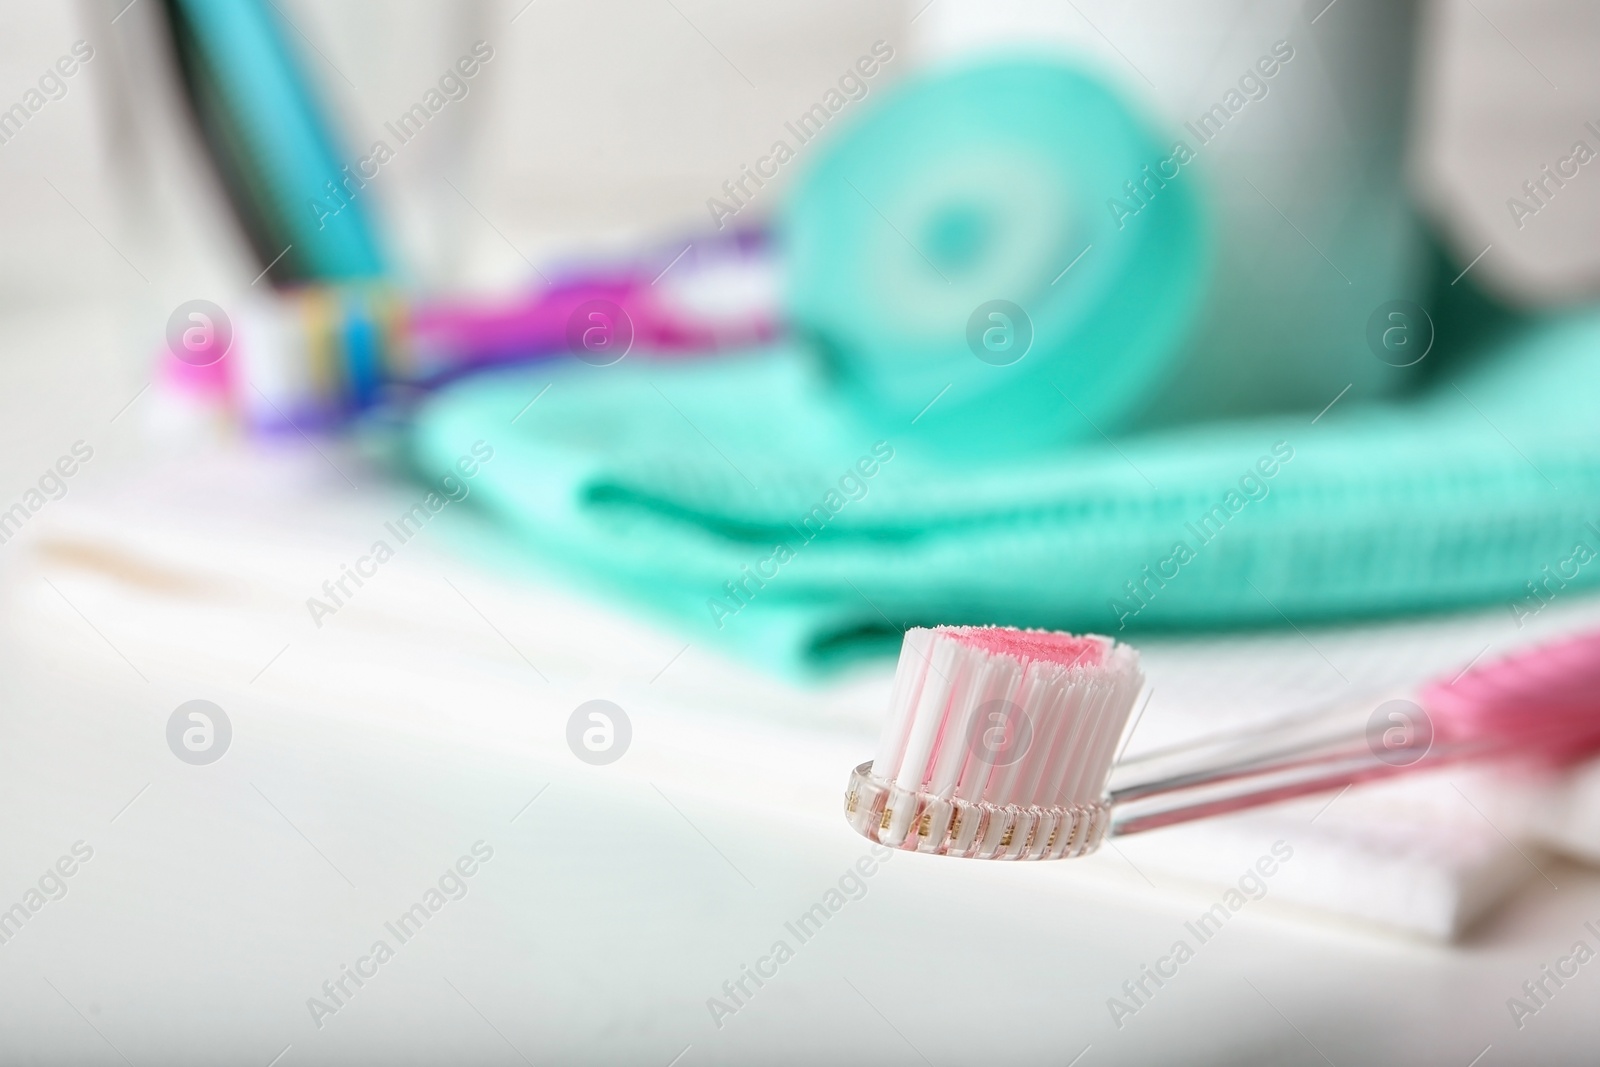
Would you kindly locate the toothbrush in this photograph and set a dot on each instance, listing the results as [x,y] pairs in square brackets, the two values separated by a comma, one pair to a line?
[316,356]
[1000,743]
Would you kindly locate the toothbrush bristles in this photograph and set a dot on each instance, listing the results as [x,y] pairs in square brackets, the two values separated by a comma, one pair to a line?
[1007,717]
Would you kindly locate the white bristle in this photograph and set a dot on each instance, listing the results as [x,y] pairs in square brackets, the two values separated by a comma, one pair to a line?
[1007,716]
[908,677]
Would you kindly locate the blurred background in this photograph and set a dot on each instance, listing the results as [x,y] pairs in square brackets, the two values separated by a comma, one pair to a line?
[468,466]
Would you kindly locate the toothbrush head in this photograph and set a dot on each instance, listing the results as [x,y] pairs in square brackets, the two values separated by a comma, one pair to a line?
[998,745]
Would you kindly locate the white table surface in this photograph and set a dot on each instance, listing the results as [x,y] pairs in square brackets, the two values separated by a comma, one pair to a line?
[219,898]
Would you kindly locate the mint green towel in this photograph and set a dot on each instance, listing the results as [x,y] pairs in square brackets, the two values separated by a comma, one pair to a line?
[738,498]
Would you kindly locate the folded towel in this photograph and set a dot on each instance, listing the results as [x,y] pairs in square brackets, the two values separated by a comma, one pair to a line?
[739,497]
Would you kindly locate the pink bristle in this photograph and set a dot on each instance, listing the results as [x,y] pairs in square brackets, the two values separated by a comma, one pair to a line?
[1069,650]
[955,683]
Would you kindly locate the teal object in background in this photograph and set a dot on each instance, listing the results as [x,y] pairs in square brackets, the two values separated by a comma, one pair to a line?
[984,184]
[803,504]
[284,140]
[674,483]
